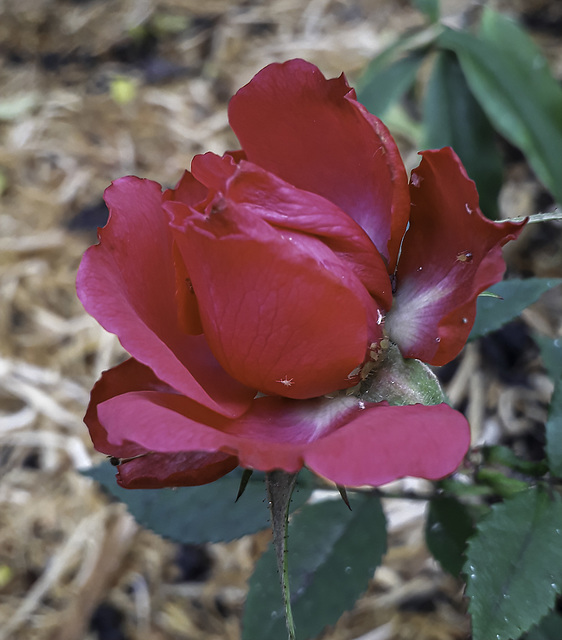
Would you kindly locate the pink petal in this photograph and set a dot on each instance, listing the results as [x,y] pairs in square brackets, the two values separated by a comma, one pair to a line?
[336,438]
[282,312]
[385,443]
[450,254]
[127,282]
[314,134]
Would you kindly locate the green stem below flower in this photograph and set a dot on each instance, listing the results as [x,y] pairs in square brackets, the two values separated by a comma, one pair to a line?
[280,485]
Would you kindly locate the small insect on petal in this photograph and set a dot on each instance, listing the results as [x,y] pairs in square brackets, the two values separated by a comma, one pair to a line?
[354,373]
[464,256]
[287,382]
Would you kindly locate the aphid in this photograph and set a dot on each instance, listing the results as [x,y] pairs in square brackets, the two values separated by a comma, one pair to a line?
[287,382]
[353,373]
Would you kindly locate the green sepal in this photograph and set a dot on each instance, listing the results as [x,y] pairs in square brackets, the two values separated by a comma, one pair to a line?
[401,381]
[343,494]
[246,475]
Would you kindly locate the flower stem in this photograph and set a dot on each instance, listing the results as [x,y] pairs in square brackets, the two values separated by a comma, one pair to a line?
[280,485]
[537,217]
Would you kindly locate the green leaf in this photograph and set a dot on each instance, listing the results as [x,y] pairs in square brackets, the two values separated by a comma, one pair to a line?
[521,107]
[458,488]
[519,49]
[197,514]
[516,295]
[453,118]
[502,485]
[333,553]
[498,454]
[550,628]
[448,527]
[551,352]
[514,565]
[392,72]
[553,446]
[431,8]
[382,85]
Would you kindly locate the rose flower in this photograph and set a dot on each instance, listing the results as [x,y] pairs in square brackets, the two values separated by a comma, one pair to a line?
[258,297]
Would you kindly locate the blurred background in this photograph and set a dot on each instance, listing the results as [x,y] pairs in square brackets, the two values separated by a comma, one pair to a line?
[91,90]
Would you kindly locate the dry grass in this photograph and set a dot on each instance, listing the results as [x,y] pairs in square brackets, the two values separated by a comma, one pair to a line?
[64,549]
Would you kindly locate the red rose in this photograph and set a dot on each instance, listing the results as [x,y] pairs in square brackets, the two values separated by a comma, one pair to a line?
[254,294]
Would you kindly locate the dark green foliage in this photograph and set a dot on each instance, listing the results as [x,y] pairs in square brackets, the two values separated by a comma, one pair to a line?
[448,527]
[510,79]
[514,565]
[333,553]
[516,295]
[199,514]
[551,352]
[452,117]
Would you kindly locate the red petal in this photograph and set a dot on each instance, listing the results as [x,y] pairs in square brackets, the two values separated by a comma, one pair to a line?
[335,438]
[313,133]
[125,377]
[283,206]
[127,282]
[188,190]
[158,470]
[281,311]
[450,254]
[150,470]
